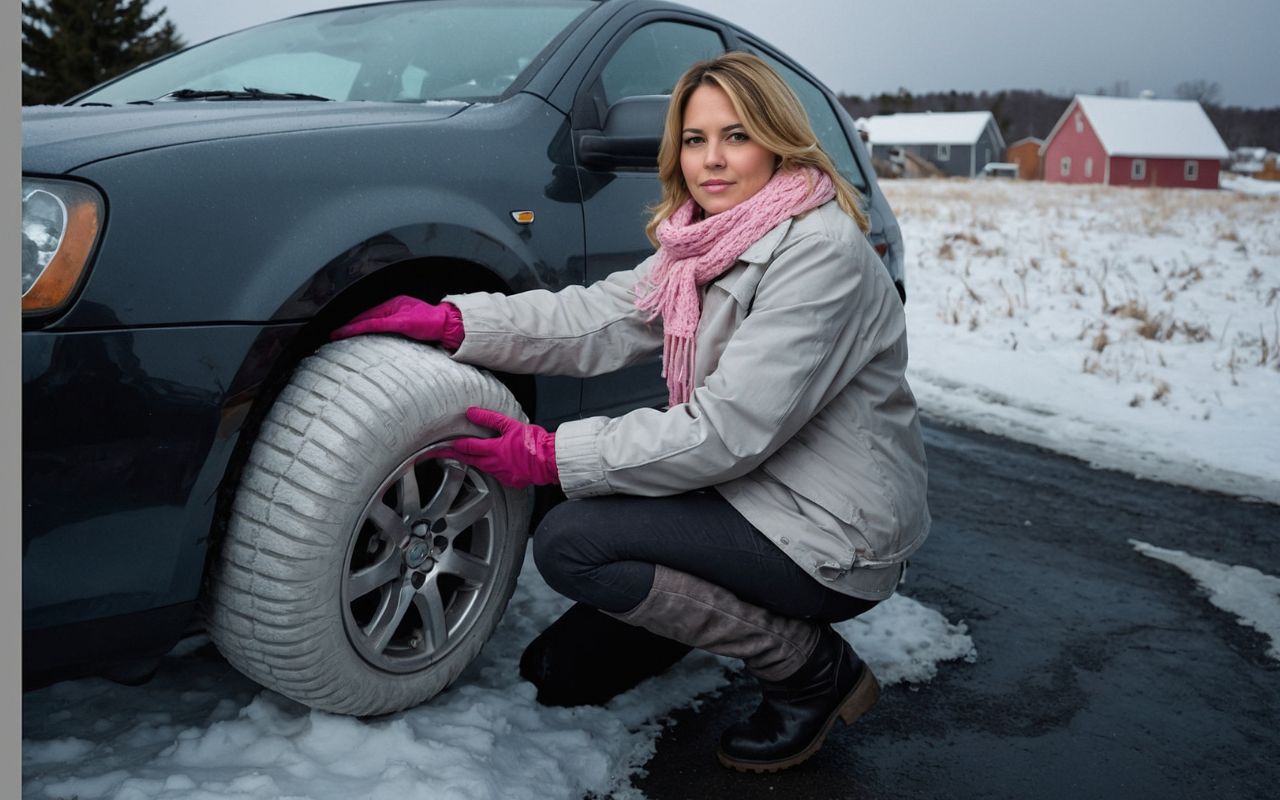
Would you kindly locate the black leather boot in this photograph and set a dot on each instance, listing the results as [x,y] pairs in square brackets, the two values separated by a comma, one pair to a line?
[796,713]
[587,657]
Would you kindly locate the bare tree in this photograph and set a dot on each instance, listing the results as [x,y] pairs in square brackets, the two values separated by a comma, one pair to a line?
[1206,93]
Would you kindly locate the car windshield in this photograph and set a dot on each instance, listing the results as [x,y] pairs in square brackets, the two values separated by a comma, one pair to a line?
[396,52]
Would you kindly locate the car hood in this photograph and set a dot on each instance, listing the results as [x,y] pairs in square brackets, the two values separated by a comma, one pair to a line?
[57,139]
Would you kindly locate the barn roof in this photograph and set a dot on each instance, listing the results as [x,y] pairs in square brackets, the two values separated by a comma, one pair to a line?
[941,127]
[1151,128]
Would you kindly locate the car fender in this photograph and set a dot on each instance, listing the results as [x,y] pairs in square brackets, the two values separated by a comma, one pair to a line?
[199,251]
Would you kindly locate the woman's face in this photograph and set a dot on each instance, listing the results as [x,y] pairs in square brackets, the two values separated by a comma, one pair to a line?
[722,166]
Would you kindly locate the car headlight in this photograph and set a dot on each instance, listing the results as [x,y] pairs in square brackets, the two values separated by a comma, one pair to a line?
[60,224]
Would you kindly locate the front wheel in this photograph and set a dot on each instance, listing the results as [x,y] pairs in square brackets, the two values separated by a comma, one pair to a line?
[359,574]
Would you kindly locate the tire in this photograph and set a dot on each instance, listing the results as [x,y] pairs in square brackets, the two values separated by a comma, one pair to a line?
[358,575]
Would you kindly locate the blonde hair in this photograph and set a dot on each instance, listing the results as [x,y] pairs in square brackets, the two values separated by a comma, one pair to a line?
[772,115]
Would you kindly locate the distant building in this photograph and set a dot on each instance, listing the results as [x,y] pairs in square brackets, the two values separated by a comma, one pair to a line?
[1125,142]
[1270,168]
[1255,162]
[1247,160]
[1026,154]
[958,143]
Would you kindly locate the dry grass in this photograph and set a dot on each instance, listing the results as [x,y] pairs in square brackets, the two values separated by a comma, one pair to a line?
[1103,256]
[1101,341]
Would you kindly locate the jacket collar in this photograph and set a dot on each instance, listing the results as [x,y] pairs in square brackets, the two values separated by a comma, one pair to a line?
[762,250]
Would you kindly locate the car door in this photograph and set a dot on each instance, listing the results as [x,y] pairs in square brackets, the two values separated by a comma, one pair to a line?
[644,57]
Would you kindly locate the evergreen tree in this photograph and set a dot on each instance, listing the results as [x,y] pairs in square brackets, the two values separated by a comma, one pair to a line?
[69,46]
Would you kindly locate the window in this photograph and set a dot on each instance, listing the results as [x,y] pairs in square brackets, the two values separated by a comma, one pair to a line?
[393,52]
[1066,166]
[826,125]
[1191,170]
[1139,169]
[1088,167]
[944,152]
[653,58]
[1079,122]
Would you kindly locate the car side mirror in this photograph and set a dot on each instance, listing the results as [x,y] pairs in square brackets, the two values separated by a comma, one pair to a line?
[631,136]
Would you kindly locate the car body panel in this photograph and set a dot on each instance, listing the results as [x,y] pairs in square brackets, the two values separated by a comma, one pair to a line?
[391,199]
[127,436]
[57,139]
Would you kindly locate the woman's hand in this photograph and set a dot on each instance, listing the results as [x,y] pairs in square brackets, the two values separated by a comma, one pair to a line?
[521,455]
[410,317]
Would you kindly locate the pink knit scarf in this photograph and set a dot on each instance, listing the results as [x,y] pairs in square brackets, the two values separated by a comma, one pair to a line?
[694,252]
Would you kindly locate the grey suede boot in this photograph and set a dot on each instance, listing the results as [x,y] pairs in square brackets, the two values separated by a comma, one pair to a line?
[701,614]
[809,675]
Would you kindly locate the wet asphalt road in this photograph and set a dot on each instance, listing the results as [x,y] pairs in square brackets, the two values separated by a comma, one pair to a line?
[1101,673]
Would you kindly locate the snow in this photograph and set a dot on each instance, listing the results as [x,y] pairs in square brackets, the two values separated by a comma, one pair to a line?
[1138,329]
[950,127]
[1252,596]
[201,731]
[1248,185]
[1151,128]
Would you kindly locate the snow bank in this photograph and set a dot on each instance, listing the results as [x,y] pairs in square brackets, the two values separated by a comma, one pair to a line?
[1248,185]
[200,731]
[1252,596]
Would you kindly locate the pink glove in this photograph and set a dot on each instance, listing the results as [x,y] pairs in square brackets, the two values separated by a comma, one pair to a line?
[522,455]
[410,317]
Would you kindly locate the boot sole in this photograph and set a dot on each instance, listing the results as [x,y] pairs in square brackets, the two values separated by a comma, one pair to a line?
[864,694]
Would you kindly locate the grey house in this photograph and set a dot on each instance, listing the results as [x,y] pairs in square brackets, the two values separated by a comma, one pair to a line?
[959,143]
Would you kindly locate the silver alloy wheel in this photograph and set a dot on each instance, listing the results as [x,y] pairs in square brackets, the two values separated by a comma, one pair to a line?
[418,575]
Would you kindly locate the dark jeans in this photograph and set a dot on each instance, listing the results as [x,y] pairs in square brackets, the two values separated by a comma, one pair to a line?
[601,551]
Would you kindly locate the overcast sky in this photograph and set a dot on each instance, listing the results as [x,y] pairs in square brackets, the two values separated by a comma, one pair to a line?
[862,47]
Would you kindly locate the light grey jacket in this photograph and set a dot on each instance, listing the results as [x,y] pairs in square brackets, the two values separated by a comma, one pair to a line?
[800,417]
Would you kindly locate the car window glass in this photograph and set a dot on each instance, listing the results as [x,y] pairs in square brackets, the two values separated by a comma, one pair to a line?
[406,52]
[307,73]
[653,57]
[823,119]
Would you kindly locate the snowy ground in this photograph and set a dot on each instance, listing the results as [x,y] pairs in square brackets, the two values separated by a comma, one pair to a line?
[200,731]
[1138,329]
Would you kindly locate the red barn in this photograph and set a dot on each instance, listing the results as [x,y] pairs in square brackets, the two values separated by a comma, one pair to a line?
[1125,142]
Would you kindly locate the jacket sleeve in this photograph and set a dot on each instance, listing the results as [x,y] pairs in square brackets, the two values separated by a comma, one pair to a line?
[578,331]
[822,311]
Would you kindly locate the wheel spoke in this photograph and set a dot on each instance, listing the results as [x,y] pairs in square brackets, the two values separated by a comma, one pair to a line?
[385,570]
[474,571]
[465,515]
[431,609]
[392,610]
[410,504]
[454,473]
[389,523]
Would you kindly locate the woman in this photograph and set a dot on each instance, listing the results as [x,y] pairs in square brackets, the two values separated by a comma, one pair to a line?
[784,486]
